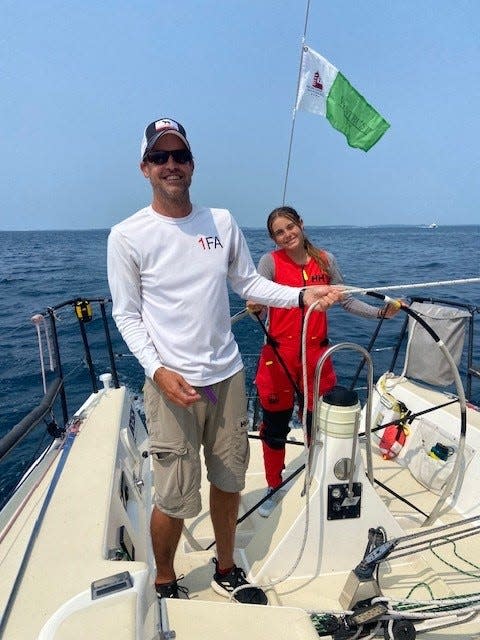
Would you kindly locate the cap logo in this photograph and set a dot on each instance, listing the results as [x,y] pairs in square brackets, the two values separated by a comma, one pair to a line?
[165,124]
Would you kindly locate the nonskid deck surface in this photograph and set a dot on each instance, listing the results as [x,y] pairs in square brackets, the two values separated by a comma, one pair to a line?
[70,571]
[67,553]
[398,579]
[200,527]
[299,596]
[219,620]
[197,566]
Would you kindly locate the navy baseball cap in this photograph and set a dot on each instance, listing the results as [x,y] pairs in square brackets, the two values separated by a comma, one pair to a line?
[159,128]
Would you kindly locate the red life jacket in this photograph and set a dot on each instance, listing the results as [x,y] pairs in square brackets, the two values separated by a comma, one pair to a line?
[286,325]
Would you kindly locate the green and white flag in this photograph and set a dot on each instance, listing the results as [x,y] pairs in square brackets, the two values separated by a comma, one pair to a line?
[324,90]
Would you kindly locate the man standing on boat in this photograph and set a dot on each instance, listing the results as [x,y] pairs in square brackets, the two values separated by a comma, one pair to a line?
[168,268]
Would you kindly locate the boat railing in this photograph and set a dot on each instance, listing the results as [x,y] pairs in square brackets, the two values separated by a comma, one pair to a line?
[23,428]
[56,387]
[84,313]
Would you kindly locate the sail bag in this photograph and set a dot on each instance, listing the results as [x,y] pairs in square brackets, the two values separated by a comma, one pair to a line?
[424,360]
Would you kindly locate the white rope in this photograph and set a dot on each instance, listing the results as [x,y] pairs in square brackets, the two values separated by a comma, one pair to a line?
[418,285]
[49,347]
[273,582]
[38,320]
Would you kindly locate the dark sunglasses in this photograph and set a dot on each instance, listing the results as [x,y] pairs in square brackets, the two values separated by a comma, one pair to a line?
[180,156]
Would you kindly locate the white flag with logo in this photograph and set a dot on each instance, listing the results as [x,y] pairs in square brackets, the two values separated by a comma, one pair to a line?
[316,79]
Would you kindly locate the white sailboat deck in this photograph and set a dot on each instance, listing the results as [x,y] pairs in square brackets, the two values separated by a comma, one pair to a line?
[78,531]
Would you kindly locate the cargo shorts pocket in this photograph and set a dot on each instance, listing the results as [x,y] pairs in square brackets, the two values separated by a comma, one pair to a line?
[173,474]
[240,451]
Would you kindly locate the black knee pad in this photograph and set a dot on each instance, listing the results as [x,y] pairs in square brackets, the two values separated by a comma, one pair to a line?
[275,427]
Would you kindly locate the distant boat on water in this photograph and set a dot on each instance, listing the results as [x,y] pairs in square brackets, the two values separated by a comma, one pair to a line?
[432,225]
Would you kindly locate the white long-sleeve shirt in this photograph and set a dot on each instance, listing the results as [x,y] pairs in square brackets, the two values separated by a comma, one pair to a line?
[168,280]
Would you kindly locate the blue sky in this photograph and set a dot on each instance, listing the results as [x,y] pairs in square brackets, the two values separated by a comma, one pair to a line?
[80,80]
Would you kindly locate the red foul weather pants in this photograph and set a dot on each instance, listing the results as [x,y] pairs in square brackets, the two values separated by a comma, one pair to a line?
[277,398]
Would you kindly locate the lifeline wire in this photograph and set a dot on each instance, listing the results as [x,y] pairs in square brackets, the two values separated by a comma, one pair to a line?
[418,285]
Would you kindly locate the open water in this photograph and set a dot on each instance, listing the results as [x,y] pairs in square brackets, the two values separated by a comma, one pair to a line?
[43,268]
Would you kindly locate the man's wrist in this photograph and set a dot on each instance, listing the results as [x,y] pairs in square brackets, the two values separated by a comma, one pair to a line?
[157,371]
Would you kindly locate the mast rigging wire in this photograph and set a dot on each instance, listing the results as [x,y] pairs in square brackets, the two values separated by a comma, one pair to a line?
[294,111]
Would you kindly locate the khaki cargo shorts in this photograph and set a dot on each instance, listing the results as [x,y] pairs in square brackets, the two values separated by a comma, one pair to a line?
[176,434]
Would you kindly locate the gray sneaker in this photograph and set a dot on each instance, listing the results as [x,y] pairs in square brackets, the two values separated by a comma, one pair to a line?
[266,508]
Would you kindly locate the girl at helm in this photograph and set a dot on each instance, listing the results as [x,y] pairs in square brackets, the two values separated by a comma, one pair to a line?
[296,262]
